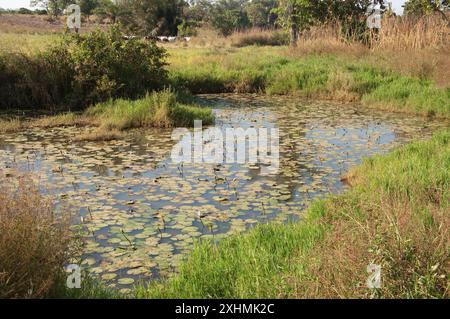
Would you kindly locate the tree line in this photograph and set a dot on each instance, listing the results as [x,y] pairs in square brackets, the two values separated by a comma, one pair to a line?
[184,17]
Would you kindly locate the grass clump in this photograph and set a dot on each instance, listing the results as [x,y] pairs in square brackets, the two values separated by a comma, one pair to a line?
[396,215]
[35,240]
[159,109]
[10,125]
[259,38]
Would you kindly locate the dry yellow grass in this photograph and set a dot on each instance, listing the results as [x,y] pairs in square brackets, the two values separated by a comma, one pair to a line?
[413,47]
[66,119]
[35,240]
[390,232]
[10,126]
[33,24]
[398,33]
[99,135]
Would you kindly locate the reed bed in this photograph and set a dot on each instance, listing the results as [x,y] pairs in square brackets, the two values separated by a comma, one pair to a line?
[399,33]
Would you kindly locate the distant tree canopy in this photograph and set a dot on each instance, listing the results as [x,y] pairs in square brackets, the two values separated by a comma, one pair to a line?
[228,16]
[88,6]
[183,17]
[152,17]
[261,13]
[299,15]
[424,7]
[53,7]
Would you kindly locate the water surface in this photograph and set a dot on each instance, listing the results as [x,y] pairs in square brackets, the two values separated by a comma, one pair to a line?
[140,213]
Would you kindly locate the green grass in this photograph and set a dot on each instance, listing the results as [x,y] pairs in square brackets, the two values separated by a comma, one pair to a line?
[256,69]
[242,266]
[396,215]
[111,118]
[26,43]
[90,289]
[277,71]
[158,109]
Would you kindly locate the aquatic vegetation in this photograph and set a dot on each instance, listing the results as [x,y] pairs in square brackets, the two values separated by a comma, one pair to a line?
[396,215]
[279,71]
[156,109]
[35,240]
[99,134]
[10,126]
[140,214]
[63,119]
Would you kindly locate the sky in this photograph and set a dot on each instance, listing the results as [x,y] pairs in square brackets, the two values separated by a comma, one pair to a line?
[15,4]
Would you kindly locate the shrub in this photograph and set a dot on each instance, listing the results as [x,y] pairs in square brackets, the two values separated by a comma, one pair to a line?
[82,70]
[35,241]
[187,28]
[108,66]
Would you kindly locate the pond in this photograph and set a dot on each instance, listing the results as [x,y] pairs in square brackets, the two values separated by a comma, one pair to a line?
[140,212]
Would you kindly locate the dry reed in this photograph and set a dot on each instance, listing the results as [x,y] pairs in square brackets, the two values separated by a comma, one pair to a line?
[35,240]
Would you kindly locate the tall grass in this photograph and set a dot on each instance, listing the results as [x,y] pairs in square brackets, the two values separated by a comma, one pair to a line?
[325,76]
[413,48]
[109,119]
[396,216]
[35,240]
[259,37]
[404,33]
[158,109]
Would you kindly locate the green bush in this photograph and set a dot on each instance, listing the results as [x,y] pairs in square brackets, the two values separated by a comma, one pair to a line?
[82,70]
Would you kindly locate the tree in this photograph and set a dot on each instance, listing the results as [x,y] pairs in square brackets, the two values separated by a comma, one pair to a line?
[260,13]
[88,6]
[424,7]
[107,9]
[199,10]
[152,17]
[296,16]
[51,6]
[228,16]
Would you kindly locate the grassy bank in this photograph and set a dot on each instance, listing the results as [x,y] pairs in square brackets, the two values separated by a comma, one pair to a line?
[279,70]
[157,109]
[395,215]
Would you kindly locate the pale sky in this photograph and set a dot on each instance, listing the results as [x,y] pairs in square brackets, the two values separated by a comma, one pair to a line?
[15,4]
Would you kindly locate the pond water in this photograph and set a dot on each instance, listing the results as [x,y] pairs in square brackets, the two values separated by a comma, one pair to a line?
[141,213]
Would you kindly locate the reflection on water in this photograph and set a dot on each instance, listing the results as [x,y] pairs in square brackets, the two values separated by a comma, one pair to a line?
[142,212]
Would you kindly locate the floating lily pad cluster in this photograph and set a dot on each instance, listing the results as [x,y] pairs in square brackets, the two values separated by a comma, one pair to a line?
[140,213]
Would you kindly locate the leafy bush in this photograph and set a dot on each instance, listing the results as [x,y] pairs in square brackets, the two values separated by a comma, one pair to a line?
[187,28]
[81,70]
[107,66]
